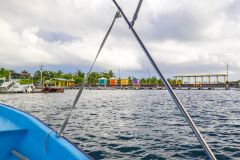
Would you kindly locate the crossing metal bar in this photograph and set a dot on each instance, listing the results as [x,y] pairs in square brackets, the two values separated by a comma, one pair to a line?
[136,12]
[169,88]
[117,15]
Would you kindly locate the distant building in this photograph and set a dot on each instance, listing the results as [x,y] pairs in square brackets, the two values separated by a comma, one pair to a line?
[124,82]
[136,82]
[60,82]
[102,81]
[113,81]
[15,75]
[25,74]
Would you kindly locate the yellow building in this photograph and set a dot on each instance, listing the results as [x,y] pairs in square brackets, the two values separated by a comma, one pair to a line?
[124,82]
[60,82]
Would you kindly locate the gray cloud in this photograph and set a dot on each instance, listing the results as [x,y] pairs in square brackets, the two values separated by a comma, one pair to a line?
[55,36]
[178,25]
[182,35]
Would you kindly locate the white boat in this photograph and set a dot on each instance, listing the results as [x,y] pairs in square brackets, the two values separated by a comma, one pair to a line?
[13,86]
[18,88]
[5,85]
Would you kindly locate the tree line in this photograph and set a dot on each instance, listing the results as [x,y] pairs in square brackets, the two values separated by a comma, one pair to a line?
[78,77]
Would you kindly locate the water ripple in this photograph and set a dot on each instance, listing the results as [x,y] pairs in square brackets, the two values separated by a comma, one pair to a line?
[141,124]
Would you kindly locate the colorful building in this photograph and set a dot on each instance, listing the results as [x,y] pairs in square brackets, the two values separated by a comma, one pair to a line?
[136,82]
[113,81]
[102,81]
[124,82]
[60,82]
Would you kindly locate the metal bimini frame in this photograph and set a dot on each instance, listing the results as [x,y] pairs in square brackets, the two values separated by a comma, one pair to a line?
[117,15]
[169,88]
[136,12]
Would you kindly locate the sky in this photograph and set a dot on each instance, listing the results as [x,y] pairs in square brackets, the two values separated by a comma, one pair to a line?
[183,36]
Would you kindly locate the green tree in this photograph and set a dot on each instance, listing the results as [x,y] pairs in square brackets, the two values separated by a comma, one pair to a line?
[79,80]
[26,81]
[37,75]
[4,73]
[160,82]
[80,74]
[110,74]
[129,80]
[67,76]
[93,78]
[172,81]
[143,81]
[153,80]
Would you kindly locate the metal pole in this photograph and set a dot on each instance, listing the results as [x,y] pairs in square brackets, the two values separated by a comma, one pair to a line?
[117,15]
[41,69]
[227,71]
[169,88]
[136,12]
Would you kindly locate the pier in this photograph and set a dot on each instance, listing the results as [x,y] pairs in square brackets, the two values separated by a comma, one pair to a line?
[162,87]
[194,82]
[202,77]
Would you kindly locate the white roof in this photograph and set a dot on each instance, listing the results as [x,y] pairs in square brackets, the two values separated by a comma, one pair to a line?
[113,78]
[102,78]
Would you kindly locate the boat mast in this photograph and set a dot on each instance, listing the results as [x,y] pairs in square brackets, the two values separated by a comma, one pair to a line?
[169,88]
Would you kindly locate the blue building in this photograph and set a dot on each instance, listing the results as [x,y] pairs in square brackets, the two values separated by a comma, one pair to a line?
[102,81]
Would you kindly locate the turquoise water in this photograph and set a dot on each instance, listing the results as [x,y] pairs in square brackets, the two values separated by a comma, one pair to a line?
[116,124]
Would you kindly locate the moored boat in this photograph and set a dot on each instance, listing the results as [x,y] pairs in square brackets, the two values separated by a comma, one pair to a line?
[12,86]
[52,90]
[23,136]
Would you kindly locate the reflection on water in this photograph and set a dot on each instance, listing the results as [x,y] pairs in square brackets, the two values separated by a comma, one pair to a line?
[115,124]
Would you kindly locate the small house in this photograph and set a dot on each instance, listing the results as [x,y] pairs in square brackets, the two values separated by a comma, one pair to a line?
[102,81]
[124,82]
[136,82]
[113,81]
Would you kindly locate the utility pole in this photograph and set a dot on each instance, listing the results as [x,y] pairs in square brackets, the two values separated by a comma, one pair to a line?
[41,69]
[77,72]
[119,74]
[119,77]
[227,71]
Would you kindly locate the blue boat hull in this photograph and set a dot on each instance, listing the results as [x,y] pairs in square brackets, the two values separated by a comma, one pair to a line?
[24,136]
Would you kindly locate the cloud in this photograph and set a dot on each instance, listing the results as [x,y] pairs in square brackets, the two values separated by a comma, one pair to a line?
[183,36]
[55,36]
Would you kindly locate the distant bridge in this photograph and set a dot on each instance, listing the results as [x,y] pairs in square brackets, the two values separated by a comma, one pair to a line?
[202,76]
